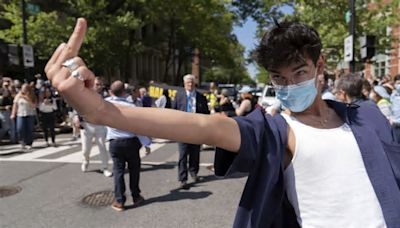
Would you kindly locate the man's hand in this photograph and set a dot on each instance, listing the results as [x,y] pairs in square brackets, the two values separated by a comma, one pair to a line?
[76,90]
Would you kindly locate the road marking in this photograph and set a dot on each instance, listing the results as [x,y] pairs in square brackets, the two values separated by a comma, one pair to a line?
[76,157]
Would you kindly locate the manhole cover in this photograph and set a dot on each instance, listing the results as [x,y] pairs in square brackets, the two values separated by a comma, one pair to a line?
[8,191]
[99,199]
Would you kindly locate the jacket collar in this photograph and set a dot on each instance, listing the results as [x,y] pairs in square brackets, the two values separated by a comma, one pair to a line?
[342,109]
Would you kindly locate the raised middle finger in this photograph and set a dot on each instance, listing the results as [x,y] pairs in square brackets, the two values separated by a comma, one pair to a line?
[74,43]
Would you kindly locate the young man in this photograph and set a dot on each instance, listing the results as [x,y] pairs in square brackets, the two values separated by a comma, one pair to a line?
[337,164]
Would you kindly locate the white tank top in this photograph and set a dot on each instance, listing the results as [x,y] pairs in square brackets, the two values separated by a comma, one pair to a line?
[327,182]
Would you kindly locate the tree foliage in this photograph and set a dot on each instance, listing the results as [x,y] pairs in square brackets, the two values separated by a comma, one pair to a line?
[328,17]
[262,75]
[112,39]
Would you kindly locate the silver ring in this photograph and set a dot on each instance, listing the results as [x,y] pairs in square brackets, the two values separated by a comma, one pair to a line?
[77,75]
[70,64]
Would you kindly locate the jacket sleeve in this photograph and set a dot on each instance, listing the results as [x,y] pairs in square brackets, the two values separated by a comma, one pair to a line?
[204,105]
[251,134]
[175,102]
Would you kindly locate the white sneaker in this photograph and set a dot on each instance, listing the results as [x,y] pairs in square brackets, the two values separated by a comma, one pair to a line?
[28,148]
[107,173]
[84,166]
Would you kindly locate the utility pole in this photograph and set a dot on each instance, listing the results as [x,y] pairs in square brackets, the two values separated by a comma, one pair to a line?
[24,32]
[24,35]
[352,31]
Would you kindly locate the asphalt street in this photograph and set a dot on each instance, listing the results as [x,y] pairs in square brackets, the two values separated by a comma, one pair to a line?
[53,190]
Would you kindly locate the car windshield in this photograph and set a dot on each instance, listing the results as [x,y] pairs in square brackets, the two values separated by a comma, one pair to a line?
[269,92]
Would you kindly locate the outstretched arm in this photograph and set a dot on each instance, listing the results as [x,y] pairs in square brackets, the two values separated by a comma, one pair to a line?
[164,123]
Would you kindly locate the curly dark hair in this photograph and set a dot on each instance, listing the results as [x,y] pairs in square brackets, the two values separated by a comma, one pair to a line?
[286,43]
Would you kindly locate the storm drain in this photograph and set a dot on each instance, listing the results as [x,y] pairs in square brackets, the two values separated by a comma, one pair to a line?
[8,191]
[99,199]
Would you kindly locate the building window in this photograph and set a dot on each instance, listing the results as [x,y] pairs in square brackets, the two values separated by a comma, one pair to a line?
[381,66]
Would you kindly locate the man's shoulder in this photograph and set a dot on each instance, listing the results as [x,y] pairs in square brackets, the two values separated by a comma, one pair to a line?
[200,95]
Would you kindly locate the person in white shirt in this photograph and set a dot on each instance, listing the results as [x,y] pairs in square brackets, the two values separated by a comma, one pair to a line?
[98,132]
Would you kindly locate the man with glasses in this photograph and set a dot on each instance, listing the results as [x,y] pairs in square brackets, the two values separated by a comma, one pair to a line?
[327,164]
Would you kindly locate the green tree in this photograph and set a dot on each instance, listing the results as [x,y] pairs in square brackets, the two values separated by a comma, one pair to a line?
[108,41]
[262,75]
[112,39]
[328,17]
[205,24]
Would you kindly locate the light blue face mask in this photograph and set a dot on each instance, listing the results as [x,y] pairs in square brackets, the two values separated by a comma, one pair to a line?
[297,97]
[397,87]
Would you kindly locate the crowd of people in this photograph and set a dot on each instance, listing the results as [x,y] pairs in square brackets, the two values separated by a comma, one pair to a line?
[383,94]
[297,176]
[25,107]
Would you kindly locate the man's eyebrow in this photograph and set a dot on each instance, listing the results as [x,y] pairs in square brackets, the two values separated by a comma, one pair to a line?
[299,66]
[294,68]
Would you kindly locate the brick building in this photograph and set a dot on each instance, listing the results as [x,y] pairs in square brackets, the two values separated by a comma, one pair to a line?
[386,64]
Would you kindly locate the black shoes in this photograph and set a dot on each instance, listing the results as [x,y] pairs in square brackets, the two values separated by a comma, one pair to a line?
[184,185]
[138,200]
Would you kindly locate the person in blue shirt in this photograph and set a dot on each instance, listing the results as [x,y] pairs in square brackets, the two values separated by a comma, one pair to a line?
[327,164]
[395,100]
[124,149]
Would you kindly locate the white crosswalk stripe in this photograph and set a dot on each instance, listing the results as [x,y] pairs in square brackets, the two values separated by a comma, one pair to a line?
[70,152]
[74,157]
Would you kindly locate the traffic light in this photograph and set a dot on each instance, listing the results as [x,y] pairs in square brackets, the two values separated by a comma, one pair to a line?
[367,45]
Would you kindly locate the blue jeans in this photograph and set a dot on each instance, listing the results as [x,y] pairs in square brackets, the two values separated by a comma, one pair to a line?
[125,151]
[25,129]
[7,126]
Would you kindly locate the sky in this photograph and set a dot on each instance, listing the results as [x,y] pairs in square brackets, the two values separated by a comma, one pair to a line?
[246,35]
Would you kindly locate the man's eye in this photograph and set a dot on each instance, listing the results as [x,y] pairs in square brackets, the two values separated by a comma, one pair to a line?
[301,73]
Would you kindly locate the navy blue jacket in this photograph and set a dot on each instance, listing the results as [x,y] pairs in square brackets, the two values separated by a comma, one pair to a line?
[263,144]
[181,100]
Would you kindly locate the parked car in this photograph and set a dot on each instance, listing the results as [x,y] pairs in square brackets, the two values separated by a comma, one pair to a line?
[232,90]
[267,99]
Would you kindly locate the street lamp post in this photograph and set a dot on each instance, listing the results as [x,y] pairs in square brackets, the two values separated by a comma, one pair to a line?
[352,31]
[24,32]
